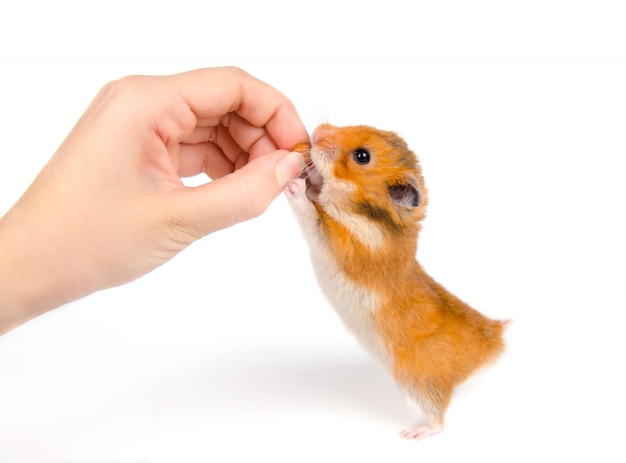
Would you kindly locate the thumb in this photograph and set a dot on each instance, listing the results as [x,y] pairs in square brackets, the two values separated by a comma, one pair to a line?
[239,196]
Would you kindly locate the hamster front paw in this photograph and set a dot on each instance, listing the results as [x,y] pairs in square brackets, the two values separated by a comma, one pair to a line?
[296,187]
[301,205]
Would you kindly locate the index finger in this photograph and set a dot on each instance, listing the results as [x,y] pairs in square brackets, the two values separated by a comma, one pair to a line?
[214,92]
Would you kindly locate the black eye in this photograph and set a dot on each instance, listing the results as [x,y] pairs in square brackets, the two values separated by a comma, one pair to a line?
[361,155]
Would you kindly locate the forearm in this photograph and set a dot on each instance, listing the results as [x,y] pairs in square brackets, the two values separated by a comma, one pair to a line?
[36,269]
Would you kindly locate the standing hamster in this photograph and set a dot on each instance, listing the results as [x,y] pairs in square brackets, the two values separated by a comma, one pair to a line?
[359,203]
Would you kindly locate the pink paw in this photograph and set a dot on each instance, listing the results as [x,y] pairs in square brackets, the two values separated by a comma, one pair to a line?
[297,185]
[420,432]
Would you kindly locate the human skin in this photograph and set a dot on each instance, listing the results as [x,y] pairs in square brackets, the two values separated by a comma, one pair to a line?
[110,205]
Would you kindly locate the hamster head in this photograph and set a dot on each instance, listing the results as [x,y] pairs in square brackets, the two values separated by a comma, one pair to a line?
[367,173]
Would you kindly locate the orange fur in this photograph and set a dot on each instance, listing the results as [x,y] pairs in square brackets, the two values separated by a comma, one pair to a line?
[435,340]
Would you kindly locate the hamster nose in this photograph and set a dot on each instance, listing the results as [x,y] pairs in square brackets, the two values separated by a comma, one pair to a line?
[321,131]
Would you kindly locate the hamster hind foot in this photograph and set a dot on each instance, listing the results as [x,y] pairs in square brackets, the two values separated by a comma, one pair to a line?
[421,431]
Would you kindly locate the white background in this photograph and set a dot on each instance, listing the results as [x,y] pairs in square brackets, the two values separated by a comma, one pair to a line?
[229,352]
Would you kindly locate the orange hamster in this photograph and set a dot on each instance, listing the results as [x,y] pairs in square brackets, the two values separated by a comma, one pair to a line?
[359,203]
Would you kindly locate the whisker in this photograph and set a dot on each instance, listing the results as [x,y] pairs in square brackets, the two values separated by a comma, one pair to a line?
[305,175]
[321,115]
[307,171]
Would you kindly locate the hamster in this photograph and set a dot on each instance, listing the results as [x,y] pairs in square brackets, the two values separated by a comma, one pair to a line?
[359,202]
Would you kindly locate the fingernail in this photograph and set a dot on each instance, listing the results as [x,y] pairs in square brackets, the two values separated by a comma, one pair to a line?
[288,168]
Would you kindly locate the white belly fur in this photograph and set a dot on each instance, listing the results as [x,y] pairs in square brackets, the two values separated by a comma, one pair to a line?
[355,305]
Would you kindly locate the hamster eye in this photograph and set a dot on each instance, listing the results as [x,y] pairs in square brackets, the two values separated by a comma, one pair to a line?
[361,155]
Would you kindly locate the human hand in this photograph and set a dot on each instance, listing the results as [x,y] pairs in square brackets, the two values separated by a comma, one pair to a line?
[110,205]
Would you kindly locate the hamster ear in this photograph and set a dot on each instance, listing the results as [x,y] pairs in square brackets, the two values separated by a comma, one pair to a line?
[406,194]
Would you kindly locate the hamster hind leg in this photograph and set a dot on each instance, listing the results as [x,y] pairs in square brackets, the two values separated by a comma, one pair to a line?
[432,405]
